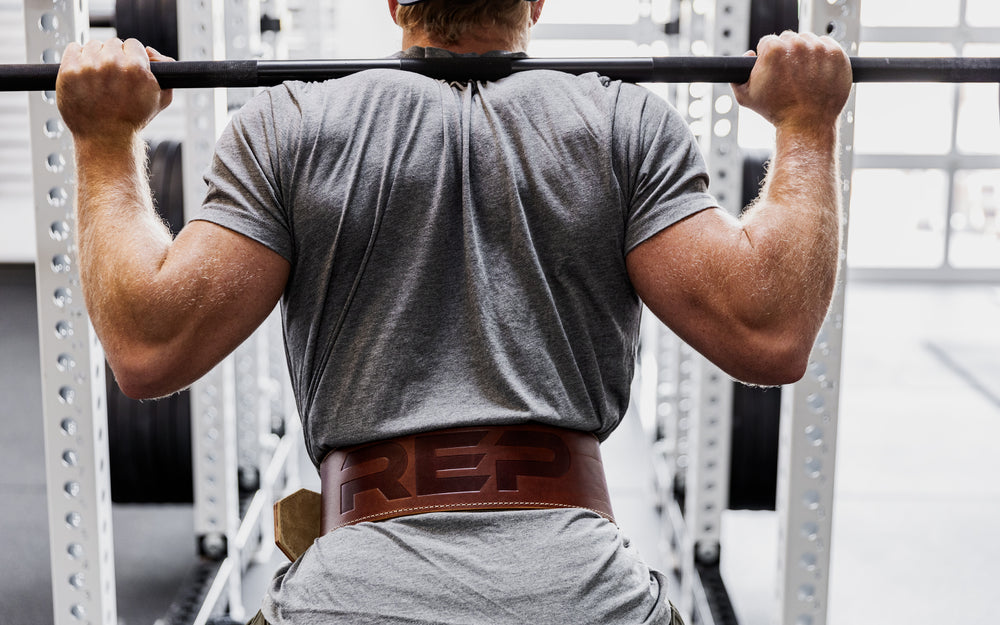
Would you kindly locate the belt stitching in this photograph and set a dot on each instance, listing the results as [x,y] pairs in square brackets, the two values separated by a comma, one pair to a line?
[470,505]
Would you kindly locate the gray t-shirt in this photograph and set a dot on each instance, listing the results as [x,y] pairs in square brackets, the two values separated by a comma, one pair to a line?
[458,258]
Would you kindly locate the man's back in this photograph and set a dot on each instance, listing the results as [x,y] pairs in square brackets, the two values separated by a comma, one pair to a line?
[458,250]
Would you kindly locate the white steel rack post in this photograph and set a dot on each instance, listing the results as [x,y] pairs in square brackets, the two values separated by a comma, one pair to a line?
[808,443]
[706,392]
[254,385]
[201,37]
[72,361]
[243,40]
[253,409]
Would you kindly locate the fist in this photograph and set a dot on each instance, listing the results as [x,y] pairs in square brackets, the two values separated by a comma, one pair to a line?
[107,91]
[799,79]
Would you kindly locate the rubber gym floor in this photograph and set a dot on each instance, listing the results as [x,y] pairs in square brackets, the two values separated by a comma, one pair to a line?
[917,490]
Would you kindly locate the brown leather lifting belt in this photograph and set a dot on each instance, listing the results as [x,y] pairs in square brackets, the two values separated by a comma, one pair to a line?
[473,468]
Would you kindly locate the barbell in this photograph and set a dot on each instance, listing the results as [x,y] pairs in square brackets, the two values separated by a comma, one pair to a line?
[686,69]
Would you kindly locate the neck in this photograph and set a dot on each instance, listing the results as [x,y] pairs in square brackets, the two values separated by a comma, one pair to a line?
[469,44]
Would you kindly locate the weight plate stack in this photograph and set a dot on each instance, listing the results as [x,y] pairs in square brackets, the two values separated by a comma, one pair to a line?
[153,22]
[150,447]
[772,17]
[167,183]
[150,441]
[753,465]
[754,169]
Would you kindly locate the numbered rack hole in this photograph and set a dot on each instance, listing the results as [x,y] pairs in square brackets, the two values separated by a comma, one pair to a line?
[55,162]
[51,56]
[64,329]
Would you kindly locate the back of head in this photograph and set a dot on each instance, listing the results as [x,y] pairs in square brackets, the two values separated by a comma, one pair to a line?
[448,22]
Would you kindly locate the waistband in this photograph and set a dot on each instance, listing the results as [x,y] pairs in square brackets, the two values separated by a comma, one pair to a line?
[509,467]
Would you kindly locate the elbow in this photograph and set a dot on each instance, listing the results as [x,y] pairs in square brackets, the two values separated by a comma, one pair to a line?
[774,369]
[139,389]
[773,361]
[144,375]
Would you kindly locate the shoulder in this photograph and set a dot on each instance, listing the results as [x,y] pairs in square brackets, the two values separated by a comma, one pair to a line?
[265,107]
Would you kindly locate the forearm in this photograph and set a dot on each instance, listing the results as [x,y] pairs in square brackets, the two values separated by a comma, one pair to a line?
[122,241]
[793,231]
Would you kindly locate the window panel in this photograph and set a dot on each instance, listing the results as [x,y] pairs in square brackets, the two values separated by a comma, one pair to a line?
[978,130]
[975,223]
[911,12]
[594,12]
[982,13]
[904,118]
[560,48]
[898,218]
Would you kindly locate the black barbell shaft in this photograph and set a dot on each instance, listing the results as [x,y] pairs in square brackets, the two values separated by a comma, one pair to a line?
[257,73]
[642,69]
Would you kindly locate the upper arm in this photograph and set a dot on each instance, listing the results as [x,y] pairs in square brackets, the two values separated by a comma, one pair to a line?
[701,277]
[675,272]
[213,290]
[682,254]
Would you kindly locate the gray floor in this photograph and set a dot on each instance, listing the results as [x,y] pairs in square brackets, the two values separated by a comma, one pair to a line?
[917,505]
[24,543]
[918,490]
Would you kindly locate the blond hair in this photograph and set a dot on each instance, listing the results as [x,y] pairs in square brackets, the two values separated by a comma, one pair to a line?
[447,22]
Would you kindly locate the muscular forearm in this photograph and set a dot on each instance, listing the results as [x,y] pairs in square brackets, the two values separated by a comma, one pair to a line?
[762,284]
[793,231]
[122,241]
